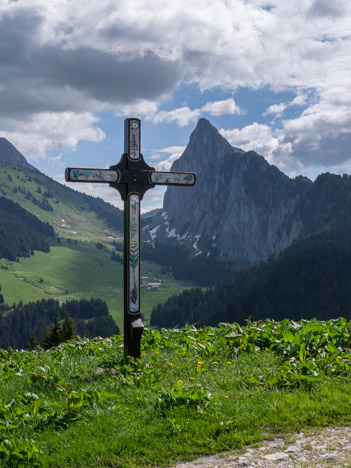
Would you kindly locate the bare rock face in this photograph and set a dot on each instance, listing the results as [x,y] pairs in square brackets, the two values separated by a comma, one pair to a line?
[241,209]
[9,154]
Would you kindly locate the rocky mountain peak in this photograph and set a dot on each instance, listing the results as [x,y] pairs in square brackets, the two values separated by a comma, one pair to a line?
[206,146]
[10,154]
[239,210]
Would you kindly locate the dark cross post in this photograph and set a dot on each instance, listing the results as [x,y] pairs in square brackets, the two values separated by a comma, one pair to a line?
[132,177]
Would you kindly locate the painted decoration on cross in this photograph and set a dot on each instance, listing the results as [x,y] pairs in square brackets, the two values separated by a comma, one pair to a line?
[172,178]
[91,175]
[134,140]
[134,257]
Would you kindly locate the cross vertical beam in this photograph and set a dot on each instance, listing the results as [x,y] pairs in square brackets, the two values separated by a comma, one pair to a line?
[132,177]
[133,324]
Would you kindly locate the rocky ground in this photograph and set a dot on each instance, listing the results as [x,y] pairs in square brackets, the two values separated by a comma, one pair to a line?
[328,447]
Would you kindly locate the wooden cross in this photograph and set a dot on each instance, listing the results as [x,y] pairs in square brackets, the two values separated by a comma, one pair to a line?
[132,177]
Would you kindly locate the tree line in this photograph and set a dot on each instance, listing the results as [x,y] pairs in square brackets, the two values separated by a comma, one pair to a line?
[312,278]
[20,322]
[21,232]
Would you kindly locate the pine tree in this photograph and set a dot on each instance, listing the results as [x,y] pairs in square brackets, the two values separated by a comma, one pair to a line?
[33,342]
[68,328]
[52,336]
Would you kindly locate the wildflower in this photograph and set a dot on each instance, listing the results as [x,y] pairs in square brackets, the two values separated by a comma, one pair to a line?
[339,357]
[156,352]
[34,373]
[228,362]
[170,364]
[215,362]
[44,376]
[192,378]
[200,362]
[180,381]
[226,396]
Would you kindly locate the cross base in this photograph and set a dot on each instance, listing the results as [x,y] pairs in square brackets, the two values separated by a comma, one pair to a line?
[133,330]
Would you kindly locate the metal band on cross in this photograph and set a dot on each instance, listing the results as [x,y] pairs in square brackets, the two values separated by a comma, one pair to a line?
[132,177]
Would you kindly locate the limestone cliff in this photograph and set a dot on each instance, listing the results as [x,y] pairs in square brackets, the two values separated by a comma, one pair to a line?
[241,209]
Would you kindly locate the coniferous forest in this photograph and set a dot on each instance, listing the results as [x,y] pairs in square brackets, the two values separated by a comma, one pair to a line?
[21,232]
[312,278]
[21,322]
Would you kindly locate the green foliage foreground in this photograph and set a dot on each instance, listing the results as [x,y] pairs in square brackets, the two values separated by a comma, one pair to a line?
[194,392]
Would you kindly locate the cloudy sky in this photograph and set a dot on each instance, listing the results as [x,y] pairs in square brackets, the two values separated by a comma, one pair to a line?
[272,75]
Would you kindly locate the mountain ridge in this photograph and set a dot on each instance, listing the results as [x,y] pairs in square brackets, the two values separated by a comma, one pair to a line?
[242,209]
[10,154]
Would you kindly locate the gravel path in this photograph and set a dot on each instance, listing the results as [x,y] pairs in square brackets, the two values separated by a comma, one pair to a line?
[328,447]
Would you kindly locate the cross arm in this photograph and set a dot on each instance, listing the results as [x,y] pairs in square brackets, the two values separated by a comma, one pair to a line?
[172,178]
[76,174]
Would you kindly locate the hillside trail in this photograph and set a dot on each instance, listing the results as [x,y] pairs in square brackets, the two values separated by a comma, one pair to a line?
[327,447]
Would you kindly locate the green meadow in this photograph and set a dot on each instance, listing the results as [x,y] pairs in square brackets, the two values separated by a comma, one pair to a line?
[193,392]
[80,272]
[70,215]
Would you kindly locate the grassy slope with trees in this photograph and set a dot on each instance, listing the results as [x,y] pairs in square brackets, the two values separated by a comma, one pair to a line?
[74,268]
[21,232]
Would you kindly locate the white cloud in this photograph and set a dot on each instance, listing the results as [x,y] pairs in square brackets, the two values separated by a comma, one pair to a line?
[153,199]
[140,108]
[221,107]
[183,116]
[155,157]
[172,149]
[256,137]
[49,131]
[130,55]
[174,152]
[96,190]
[299,100]
[319,138]
[277,109]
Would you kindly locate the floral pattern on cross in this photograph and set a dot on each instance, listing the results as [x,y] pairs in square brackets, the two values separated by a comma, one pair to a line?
[133,254]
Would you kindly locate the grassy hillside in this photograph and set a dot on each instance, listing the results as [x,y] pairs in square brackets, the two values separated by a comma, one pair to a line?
[194,392]
[74,215]
[78,272]
[74,268]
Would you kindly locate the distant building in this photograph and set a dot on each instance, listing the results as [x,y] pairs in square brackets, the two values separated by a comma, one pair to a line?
[153,286]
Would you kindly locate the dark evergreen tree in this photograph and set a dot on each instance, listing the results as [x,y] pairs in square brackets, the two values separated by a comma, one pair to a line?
[68,328]
[18,321]
[33,342]
[21,232]
[53,335]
